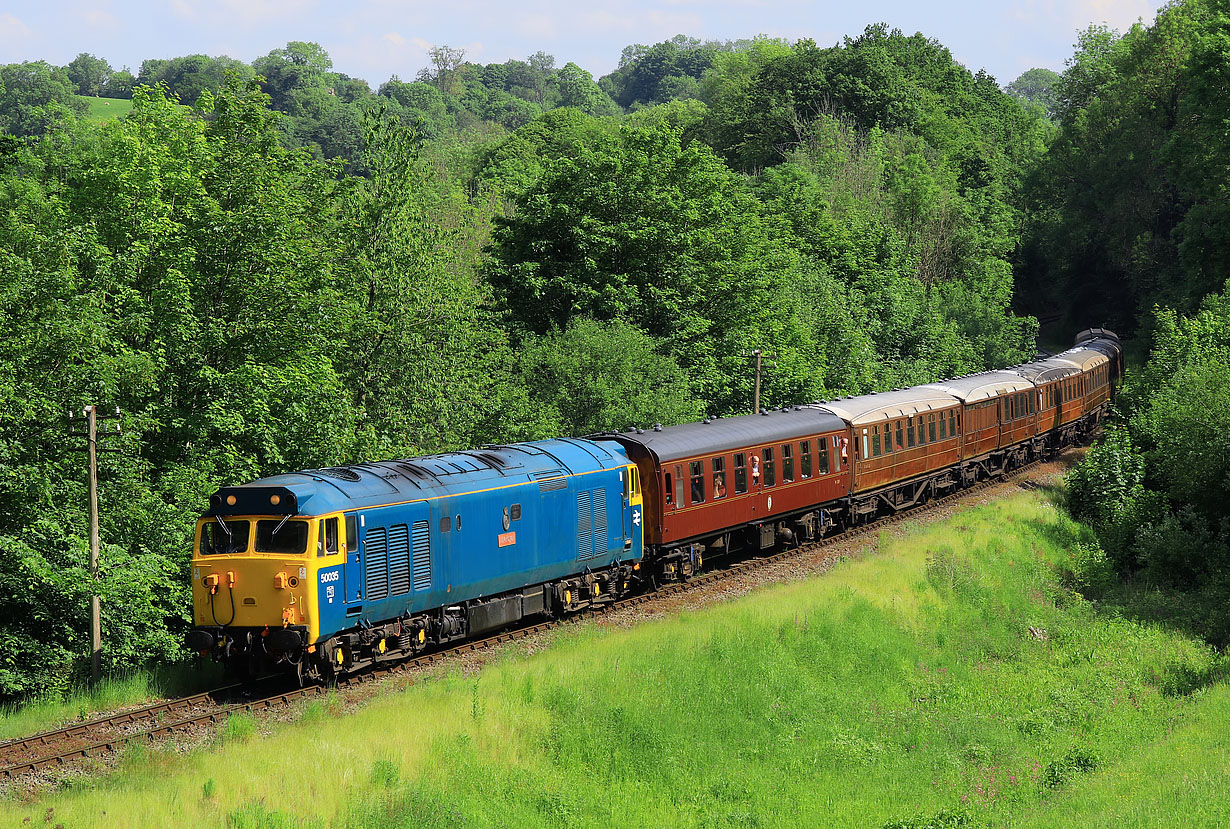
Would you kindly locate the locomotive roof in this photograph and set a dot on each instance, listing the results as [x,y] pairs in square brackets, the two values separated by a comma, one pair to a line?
[872,408]
[725,434]
[320,491]
[974,388]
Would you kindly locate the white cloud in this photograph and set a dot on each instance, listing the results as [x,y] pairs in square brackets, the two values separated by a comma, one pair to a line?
[246,12]
[538,25]
[12,29]
[1075,15]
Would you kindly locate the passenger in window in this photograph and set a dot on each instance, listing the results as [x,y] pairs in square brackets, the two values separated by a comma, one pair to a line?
[755,470]
[719,487]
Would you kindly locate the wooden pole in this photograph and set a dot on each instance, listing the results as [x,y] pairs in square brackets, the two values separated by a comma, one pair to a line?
[91,414]
[756,397]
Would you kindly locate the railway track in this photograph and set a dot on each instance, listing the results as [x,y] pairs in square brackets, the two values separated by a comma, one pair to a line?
[61,748]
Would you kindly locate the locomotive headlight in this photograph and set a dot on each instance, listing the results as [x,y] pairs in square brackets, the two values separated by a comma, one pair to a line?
[231,500]
[275,499]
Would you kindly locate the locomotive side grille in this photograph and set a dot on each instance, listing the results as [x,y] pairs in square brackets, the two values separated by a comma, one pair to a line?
[599,521]
[377,564]
[552,484]
[585,525]
[591,523]
[422,555]
[399,560]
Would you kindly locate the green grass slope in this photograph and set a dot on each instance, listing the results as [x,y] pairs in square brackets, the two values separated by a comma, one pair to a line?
[949,680]
[106,109]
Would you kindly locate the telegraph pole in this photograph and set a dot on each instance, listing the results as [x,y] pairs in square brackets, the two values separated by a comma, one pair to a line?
[89,418]
[757,356]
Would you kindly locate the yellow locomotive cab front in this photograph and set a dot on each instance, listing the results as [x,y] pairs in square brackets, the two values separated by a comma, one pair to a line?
[251,577]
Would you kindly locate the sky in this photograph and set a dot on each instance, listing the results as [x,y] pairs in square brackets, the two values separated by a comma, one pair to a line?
[375,39]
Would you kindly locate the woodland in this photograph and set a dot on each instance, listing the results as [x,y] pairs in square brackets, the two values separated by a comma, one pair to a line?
[274,266]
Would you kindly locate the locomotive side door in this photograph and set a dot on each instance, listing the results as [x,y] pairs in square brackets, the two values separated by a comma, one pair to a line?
[354,559]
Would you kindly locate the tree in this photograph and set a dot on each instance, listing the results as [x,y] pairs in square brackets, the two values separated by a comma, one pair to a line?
[445,61]
[1037,86]
[641,228]
[89,74]
[34,97]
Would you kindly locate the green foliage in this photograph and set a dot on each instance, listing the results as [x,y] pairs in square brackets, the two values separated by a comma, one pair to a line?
[1156,490]
[1038,87]
[36,97]
[1129,204]
[89,74]
[594,377]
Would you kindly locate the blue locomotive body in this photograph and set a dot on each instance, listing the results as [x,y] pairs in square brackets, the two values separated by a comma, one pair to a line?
[396,555]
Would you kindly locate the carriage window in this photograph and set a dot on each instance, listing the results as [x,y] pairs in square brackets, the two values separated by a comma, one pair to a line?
[669,490]
[909,434]
[921,427]
[875,441]
[822,455]
[678,485]
[770,469]
[805,458]
[888,438]
[931,428]
[740,473]
[787,463]
[698,482]
[943,426]
[952,423]
[719,478]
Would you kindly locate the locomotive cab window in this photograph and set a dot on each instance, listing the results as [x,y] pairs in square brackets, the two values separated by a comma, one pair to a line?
[216,540]
[330,534]
[287,538]
[698,482]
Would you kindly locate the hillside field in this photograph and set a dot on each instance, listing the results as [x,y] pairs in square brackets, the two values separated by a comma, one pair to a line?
[106,109]
[951,678]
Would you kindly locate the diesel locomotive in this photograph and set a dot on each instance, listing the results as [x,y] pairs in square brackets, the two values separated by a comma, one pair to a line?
[326,571]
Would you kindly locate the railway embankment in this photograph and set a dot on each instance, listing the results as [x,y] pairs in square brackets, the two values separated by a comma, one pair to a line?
[945,673]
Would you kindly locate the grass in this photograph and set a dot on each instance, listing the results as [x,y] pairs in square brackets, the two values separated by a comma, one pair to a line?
[106,109]
[950,680]
[110,693]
